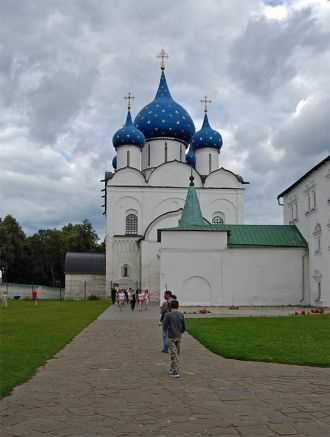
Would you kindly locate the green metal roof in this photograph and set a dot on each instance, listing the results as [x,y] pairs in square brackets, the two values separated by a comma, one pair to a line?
[253,235]
[191,214]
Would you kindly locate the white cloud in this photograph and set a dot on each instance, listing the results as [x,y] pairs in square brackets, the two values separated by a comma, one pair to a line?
[66,66]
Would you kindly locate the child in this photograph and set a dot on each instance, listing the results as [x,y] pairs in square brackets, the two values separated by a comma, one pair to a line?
[146,299]
[175,323]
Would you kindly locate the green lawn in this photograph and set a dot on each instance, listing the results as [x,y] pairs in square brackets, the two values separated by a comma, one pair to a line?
[292,340]
[30,336]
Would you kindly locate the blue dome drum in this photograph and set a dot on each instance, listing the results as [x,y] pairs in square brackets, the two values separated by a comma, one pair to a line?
[114,162]
[128,135]
[206,137]
[164,118]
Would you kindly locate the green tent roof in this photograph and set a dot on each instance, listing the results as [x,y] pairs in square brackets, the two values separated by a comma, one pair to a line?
[191,214]
[253,235]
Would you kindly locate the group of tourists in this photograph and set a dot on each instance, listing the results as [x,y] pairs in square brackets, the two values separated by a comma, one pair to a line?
[123,296]
[171,319]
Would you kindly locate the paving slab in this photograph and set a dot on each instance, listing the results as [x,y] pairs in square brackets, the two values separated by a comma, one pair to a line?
[112,380]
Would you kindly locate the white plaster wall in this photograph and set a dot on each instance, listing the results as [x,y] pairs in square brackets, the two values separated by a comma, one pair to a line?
[135,157]
[319,260]
[128,192]
[202,160]
[174,174]
[122,251]
[194,281]
[175,150]
[127,176]
[264,276]
[150,267]
[251,276]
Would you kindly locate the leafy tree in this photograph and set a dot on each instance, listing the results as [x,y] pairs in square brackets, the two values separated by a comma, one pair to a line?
[13,253]
[39,259]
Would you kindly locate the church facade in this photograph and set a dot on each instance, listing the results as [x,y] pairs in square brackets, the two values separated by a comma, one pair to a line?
[155,155]
[162,234]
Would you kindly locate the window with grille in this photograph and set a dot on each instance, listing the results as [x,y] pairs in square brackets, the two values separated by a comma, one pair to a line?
[210,163]
[149,155]
[165,152]
[131,224]
[217,220]
[128,158]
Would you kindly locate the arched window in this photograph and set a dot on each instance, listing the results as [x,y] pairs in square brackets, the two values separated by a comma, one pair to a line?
[125,271]
[180,152]
[210,163]
[131,224]
[217,220]
[148,154]
[128,158]
[165,152]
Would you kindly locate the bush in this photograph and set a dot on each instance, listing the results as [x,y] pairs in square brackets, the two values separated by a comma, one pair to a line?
[93,297]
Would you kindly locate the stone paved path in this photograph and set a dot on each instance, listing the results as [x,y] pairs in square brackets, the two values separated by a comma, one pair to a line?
[112,380]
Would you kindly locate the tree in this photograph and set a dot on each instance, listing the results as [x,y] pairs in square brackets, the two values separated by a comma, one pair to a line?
[13,252]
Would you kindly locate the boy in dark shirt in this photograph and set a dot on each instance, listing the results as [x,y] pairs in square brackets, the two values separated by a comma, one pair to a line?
[175,323]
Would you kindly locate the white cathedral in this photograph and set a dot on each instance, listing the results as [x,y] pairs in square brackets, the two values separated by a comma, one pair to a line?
[163,235]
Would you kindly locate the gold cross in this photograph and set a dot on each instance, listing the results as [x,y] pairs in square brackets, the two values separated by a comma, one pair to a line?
[162,55]
[129,98]
[205,101]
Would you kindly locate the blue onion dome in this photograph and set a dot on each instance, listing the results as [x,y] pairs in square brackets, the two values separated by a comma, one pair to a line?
[163,117]
[206,137]
[191,157]
[114,162]
[128,135]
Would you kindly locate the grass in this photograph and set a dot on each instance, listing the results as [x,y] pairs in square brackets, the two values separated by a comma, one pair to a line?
[30,336]
[290,340]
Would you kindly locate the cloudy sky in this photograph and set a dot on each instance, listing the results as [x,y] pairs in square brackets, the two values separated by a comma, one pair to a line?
[65,66]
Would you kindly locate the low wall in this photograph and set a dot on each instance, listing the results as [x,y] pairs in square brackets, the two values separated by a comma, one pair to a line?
[24,291]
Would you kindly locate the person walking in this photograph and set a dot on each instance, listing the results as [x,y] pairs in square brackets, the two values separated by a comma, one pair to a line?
[133,300]
[113,295]
[121,299]
[175,323]
[165,308]
[146,299]
[141,298]
[4,299]
[34,297]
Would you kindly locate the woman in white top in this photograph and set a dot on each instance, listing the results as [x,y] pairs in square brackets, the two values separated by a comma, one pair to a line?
[141,299]
[121,299]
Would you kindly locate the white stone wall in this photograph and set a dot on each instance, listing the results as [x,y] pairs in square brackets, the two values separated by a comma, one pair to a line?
[134,159]
[156,149]
[158,203]
[218,276]
[203,163]
[79,287]
[308,206]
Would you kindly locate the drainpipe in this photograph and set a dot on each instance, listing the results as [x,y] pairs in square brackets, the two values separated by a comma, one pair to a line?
[303,278]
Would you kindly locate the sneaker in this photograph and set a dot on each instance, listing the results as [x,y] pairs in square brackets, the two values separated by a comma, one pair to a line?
[165,352]
[174,375]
